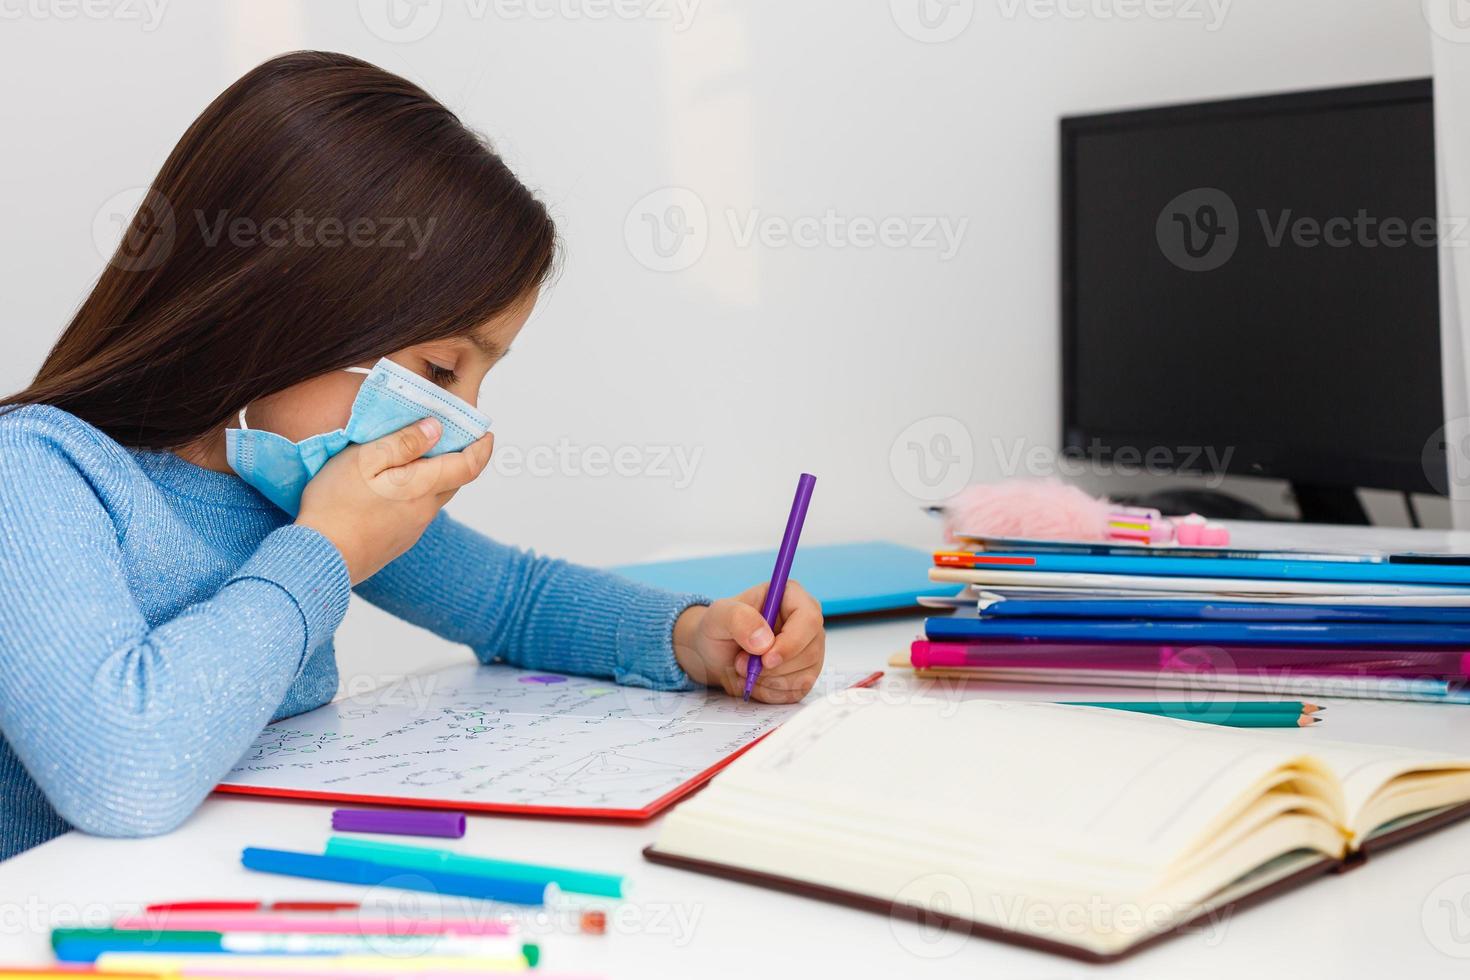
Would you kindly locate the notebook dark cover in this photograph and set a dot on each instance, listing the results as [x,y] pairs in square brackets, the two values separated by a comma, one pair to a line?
[911,913]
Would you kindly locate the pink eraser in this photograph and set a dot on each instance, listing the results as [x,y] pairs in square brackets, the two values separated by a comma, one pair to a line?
[1188,530]
[1214,535]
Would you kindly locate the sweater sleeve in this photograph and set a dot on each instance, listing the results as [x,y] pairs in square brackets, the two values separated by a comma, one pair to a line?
[124,724]
[513,606]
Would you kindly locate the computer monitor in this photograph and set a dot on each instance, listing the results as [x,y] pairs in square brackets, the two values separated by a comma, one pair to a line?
[1252,285]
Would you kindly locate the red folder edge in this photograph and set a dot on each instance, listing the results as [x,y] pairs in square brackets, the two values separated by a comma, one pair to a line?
[598,813]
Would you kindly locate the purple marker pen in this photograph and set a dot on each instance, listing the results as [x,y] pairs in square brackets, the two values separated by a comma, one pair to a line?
[771,608]
[420,823]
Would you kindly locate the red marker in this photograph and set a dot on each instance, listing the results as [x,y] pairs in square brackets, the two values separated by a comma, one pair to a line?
[253,907]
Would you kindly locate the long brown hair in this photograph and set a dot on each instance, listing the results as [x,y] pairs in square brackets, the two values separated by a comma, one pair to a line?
[319,213]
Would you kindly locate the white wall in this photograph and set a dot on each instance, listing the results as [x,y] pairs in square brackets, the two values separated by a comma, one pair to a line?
[1452,146]
[763,359]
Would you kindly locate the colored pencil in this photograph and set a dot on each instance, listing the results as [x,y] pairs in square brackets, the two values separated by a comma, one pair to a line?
[1189,707]
[1221,715]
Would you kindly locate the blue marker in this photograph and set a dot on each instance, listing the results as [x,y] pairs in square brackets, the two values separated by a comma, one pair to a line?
[355,872]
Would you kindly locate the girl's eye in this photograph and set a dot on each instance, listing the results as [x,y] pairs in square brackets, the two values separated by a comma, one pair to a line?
[442,376]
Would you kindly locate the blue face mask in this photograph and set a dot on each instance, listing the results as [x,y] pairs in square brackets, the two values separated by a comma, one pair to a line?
[391,397]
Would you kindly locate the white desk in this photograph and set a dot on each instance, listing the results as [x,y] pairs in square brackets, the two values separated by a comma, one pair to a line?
[1404,915]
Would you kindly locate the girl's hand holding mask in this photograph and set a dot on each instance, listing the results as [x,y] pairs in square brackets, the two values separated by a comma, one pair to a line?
[373,501]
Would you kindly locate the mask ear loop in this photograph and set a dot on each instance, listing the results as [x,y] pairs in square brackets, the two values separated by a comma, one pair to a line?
[354,370]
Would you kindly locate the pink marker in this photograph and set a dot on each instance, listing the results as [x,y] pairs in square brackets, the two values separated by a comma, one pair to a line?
[1139,525]
[342,925]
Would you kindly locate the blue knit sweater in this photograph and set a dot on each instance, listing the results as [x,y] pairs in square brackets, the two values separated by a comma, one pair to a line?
[154,616]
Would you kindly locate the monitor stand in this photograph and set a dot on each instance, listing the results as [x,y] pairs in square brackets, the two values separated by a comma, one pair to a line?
[1328,505]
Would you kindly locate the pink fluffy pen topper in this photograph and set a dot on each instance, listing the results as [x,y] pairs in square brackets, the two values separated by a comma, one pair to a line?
[1052,510]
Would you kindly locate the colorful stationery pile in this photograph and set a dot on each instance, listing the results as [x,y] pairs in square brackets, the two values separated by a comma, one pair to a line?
[1389,626]
[344,939]
[224,939]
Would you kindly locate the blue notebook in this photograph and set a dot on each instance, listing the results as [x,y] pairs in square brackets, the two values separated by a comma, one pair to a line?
[847,579]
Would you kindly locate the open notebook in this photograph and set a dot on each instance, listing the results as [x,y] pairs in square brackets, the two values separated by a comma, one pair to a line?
[1083,831]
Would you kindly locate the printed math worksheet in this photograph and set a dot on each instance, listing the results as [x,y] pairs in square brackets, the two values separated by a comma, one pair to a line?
[499,738]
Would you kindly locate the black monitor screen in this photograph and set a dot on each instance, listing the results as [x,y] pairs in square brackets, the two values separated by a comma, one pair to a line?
[1258,277]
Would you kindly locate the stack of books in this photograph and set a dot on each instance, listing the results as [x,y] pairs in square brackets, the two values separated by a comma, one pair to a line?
[1371,625]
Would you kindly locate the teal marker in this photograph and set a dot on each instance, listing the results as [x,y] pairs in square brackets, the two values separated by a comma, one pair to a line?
[433,859]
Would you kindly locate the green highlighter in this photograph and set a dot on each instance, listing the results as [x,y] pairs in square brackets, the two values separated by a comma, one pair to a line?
[433,859]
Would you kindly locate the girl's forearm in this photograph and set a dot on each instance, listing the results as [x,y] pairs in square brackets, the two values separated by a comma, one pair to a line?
[159,714]
[516,607]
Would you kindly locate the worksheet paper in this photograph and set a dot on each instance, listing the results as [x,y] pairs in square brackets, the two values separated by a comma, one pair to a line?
[502,739]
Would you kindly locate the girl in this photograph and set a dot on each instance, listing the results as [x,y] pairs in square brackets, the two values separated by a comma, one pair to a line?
[264,402]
